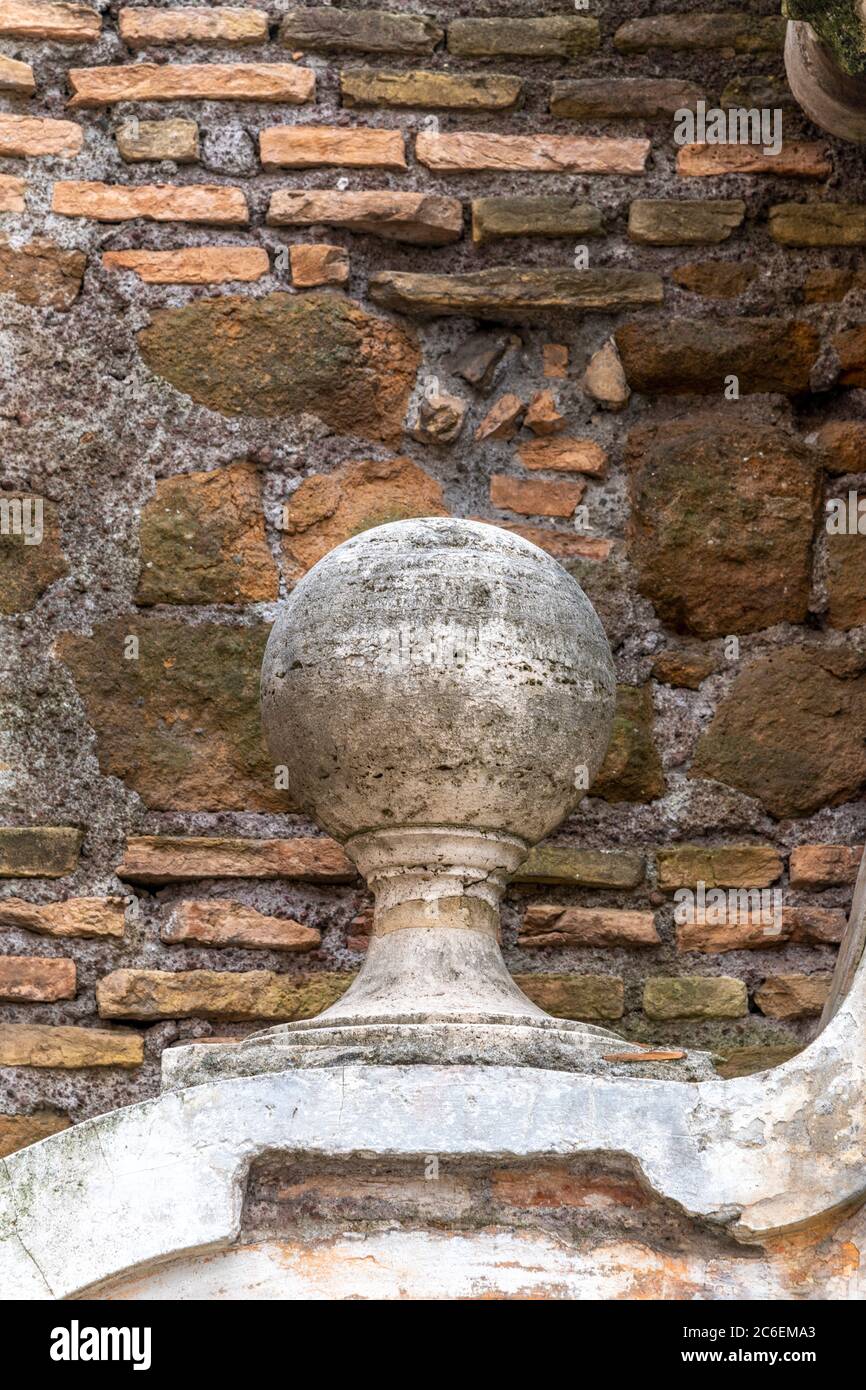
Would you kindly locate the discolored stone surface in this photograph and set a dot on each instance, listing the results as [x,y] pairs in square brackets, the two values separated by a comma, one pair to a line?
[203,540]
[17,1131]
[723,515]
[715,279]
[679,356]
[328,508]
[283,355]
[39,851]
[745,1061]
[829,286]
[718,866]
[632,769]
[818,224]
[850,348]
[180,723]
[505,292]
[550,36]
[233,996]
[440,419]
[533,215]
[604,378]
[139,141]
[584,868]
[84,917]
[327,30]
[575,996]
[843,446]
[27,567]
[846,581]
[824,866]
[793,996]
[739,31]
[790,731]
[686,669]
[694,996]
[597,98]
[502,420]
[203,922]
[36,979]
[480,91]
[683,222]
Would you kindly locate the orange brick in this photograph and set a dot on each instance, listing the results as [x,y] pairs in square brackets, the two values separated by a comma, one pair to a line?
[309,147]
[192,265]
[220,25]
[824,866]
[36,978]
[797,159]
[25,136]
[59,23]
[532,497]
[12,190]
[564,454]
[281,82]
[203,922]
[181,858]
[16,77]
[318,264]
[160,202]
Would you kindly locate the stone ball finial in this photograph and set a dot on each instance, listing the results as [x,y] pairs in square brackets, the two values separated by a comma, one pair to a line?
[438,672]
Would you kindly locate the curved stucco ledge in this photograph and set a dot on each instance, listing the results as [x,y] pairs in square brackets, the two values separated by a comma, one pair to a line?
[152,1183]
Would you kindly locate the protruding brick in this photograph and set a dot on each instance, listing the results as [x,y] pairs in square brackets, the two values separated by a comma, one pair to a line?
[16,77]
[505,291]
[333,30]
[582,868]
[203,540]
[422,219]
[818,224]
[146,28]
[229,995]
[543,416]
[554,215]
[562,454]
[192,265]
[444,91]
[32,979]
[17,1131]
[545,925]
[85,917]
[575,996]
[39,851]
[502,420]
[141,141]
[623,98]
[159,202]
[532,497]
[681,222]
[683,356]
[216,922]
[61,1047]
[467,151]
[12,191]
[739,31]
[718,866]
[604,378]
[694,996]
[157,859]
[279,82]
[824,866]
[327,508]
[58,23]
[316,264]
[794,996]
[550,36]
[315,146]
[797,159]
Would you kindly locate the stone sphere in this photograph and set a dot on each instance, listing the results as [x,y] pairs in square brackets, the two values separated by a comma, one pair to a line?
[438,672]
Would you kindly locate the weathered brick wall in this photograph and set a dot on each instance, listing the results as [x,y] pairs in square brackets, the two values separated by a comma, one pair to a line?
[253,300]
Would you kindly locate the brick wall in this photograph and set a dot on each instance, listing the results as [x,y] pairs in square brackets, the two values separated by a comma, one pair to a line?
[271,275]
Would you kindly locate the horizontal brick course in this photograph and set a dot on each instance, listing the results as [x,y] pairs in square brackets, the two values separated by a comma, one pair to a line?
[141,28]
[467,151]
[421,219]
[39,851]
[164,202]
[192,265]
[232,996]
[272,82]
[84,917]
[824,866]
[26,136]
[546,925]
[156,859]
[62,1047]
[36,979]
[59,23]
[200,922]
[798,159]
[310,147]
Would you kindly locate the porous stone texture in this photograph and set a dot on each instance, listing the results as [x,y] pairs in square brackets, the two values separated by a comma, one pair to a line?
[685,356]
[281,356]
[141,141]
[687,996]
[722,521]
[203,540]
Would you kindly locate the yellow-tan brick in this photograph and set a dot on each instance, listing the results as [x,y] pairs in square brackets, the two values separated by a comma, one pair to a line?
[158,202]
[12,190]
[85,917]
[59,23]
[17,1131]
[230,995]
[140,141]
[222,24]
[824,866]
[794,996]
[56,1045]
